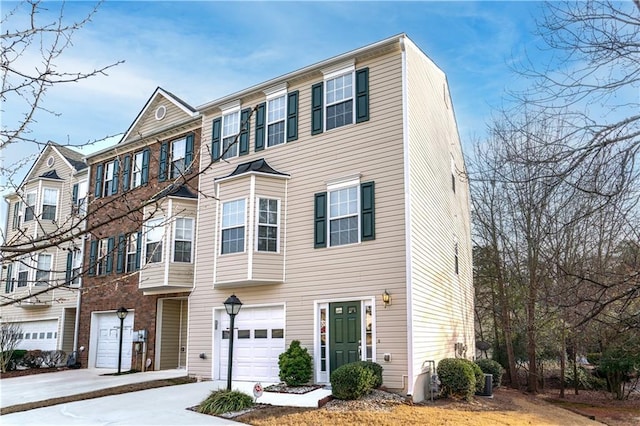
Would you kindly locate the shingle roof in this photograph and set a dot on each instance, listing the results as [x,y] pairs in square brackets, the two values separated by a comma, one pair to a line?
[259,165]
[175,191]
[73,157]
[51,174]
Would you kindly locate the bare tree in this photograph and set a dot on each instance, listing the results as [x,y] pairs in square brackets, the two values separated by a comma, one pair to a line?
[10,336]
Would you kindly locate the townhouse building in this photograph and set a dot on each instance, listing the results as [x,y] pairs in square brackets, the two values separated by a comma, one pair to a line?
[41,285]
[140,246]
[337,211]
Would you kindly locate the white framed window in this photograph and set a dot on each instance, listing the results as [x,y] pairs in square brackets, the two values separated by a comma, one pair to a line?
[49,203]
[81,202]
[276,120]
[339,100]
[132,252]
[17,215]
[178,156]
[182,240]
[107,184]
[22,272]
[154,231]
[103,253]
[233,226]
[29,206]
[76,267]
[230,130]
[344,214]
[136,170]
[43,271]
[268,225]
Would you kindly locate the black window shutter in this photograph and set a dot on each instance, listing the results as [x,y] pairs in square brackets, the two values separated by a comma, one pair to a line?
[362,95]
[138,250]
[98,188]
[7,286]
[316,108]
[120,259]
[320,229]
[216,128]
[68,278]
[260,133]
[244,131]
[188,156]
[367,211]
[93,252]
[114,182]
[126,173]
[110,245]
[292,116]
[145,166]
[162,169]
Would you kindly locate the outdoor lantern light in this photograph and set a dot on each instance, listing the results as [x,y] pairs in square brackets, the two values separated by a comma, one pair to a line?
[232,305]
[122,314]
[386,298]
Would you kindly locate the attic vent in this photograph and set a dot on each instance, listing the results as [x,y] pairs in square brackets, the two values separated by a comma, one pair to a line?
[161,112]
[50,161]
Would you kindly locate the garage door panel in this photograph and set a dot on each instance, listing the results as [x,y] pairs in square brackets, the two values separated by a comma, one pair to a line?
[256,352]
[38,335]
[108,341]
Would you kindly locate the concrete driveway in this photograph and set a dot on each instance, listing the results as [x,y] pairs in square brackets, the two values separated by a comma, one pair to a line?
[160,406]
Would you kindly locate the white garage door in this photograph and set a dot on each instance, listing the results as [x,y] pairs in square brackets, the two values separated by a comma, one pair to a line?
[258,341]
[42,335]
[108,341]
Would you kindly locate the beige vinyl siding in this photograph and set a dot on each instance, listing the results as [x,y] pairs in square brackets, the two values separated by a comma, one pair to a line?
[442,302]
[168,275]
[68,327]
[374,150]
[58,299]
[170,334]
[147,123]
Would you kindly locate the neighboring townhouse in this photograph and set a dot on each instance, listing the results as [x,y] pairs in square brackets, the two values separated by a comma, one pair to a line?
[42,285]
[140,252]
[339,216]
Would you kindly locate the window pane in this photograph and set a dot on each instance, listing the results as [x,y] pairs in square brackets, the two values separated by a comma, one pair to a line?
[343,231]
[277,333]
[275,134]
[260,334]
[244,334]
[339,114]
[233,240]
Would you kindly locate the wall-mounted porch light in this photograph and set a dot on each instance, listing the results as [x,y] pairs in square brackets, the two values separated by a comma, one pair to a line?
[386,298]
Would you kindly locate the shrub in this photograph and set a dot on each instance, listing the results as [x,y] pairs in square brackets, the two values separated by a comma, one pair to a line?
[295,365]
[33,359]
[376,369]
[457,378]
[351,381]
[225,401]
[489,366]
[479,375]
[585,379]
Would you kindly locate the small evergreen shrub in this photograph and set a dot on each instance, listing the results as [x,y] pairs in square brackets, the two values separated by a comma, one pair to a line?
[376,369]
[225,401]
[457,378]
[584,378]
[295,365]
[351,381]
[489,366]
[479,375]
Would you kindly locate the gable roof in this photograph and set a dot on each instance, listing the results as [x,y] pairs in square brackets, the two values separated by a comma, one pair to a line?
[74,158]
[188,109]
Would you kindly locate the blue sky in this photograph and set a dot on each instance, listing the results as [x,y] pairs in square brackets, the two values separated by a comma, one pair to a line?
[204,50]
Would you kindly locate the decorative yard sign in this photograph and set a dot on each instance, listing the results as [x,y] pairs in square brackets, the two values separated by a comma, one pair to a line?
[257,390]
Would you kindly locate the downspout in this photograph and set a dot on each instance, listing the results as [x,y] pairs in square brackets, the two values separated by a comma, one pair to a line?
[407,217]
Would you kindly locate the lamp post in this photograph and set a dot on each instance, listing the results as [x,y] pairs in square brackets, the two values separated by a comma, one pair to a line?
[232,305]
[122,314]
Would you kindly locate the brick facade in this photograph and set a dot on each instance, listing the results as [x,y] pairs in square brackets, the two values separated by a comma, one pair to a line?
[106,218]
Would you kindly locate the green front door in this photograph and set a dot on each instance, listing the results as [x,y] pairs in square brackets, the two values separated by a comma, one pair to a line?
[344,333]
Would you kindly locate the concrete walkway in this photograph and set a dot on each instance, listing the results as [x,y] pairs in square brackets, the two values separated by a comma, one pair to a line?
[160,406]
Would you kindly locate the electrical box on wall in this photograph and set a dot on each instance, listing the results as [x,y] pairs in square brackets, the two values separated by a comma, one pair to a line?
[140,336]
